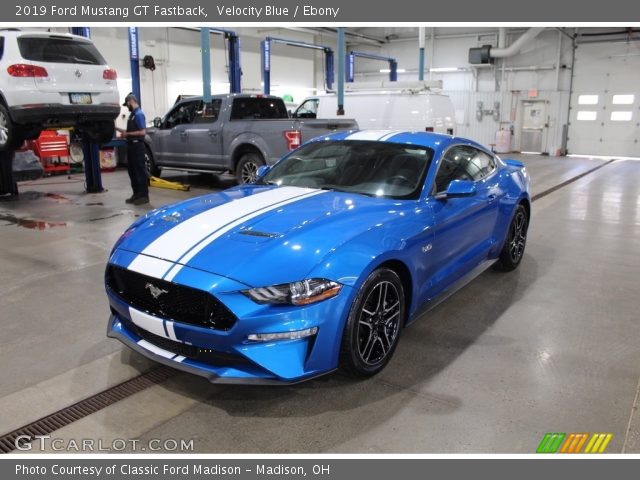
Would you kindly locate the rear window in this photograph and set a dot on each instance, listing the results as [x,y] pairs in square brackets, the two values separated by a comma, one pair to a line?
[59,50]
[258,108]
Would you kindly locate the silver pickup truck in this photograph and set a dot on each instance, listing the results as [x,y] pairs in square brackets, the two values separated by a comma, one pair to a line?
[235,132]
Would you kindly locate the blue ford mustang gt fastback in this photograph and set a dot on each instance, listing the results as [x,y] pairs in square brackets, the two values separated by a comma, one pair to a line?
[321,262]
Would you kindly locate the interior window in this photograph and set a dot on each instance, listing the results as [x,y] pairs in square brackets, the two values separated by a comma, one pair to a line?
[252,108]
[208,112]
[59,50]
[308,109]
[181,114]
[463,163]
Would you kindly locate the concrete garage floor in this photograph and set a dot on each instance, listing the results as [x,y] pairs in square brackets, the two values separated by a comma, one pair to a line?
[551,347]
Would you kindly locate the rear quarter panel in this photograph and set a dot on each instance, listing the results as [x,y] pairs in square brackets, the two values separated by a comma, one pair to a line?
[265,135]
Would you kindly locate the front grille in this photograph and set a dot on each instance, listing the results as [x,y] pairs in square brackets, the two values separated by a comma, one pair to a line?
[176,302]
[203,355]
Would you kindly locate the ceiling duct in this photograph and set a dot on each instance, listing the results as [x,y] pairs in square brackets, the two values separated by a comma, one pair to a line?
[486,53]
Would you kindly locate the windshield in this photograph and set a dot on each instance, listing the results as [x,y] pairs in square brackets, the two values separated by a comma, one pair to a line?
[378,169]
[59,50]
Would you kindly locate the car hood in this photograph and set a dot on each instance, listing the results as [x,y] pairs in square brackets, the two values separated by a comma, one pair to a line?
[257,235]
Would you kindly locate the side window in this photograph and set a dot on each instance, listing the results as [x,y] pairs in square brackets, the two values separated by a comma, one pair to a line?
[308,109]
[452,167]
[208,113]
[254,108]
[1,47]
[181,114]
[463,163]
[480,164]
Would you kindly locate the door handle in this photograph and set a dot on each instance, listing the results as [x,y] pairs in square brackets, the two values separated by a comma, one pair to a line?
[492,197]
[184,134]
[213,133]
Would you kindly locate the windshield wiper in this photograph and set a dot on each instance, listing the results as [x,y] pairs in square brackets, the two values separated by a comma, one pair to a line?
[82,60]
[335,189]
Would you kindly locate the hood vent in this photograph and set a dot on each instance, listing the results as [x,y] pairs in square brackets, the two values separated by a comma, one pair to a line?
[255,233]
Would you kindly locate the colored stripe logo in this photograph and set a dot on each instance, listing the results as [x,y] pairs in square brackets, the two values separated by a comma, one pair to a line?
[574,443]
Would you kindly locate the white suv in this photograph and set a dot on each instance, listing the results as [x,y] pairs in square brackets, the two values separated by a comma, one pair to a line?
[54,80]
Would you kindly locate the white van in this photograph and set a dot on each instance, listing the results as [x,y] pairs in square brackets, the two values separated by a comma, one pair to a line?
[387,108]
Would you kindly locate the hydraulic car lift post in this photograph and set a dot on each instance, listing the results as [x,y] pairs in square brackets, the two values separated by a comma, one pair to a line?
[134,62]
[90,150]
[233,55]
[351,64]
[265,57]
[341,50]
[8,186]
[206,65]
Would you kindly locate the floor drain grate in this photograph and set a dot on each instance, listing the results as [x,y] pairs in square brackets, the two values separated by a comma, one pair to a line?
[567,182]
[86,407]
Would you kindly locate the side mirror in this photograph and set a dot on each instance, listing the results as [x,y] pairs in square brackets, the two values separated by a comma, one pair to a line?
[457,189]
[262,170]
[157,122]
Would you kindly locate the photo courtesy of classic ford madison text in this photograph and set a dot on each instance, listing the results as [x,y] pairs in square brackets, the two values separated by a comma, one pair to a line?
[317,239]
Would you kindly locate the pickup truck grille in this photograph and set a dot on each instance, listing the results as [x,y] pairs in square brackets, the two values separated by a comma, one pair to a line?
[176,302]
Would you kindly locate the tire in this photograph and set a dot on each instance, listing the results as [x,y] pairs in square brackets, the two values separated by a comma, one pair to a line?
[98,132]
[150,165]
[247,167]
[10,133]
[515,241]
[373,328]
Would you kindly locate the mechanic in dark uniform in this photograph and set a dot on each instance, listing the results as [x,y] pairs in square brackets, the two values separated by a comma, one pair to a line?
[134,134]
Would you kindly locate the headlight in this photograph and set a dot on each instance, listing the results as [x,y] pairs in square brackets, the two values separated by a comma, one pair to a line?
[297,293]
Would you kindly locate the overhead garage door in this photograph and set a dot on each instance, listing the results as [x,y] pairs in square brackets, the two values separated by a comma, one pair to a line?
[605,101]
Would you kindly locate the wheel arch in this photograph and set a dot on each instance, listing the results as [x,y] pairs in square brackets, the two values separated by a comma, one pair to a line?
[526,203]
[243,149]
[402,270]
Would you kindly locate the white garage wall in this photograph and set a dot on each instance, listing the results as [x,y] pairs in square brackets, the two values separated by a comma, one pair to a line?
[299,72]
[533,68]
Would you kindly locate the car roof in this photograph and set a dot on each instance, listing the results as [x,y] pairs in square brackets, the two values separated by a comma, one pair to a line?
[191,98]
[17,32]
[424,139]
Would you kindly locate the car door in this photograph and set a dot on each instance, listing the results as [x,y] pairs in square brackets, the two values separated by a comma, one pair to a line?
[204,136]
[170,140]
[463,227]
[308,109]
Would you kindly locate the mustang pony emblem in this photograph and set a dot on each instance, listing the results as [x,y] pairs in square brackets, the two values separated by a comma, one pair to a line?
[155,291]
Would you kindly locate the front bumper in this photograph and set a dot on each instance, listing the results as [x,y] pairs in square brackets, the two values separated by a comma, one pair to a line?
[228,356]
[55,114]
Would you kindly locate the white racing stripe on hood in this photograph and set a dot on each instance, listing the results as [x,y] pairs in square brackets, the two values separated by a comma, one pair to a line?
[194,251]
[371,134]
[150,266]
[189,237]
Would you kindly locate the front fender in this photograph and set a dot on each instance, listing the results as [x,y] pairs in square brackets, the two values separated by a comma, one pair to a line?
[352,262]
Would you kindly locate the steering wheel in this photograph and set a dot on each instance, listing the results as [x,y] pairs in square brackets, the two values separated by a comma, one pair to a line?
[402,179]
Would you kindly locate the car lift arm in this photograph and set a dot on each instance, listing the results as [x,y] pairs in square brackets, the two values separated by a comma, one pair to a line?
[265,56]
[351,64]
